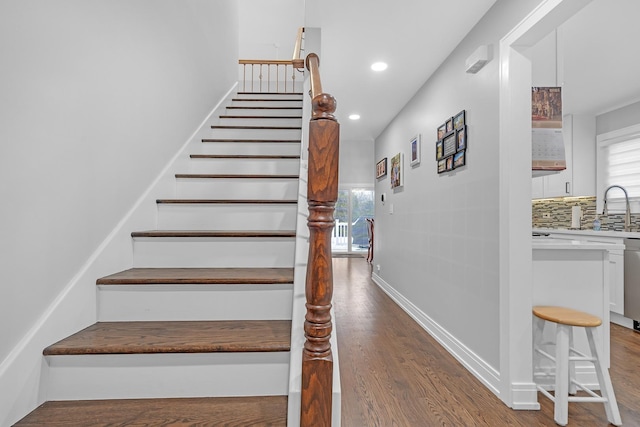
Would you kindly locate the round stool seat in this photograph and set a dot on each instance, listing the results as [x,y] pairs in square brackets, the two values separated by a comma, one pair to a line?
[567,316]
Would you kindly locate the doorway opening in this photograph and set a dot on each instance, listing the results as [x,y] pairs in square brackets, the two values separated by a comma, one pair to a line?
[350,235]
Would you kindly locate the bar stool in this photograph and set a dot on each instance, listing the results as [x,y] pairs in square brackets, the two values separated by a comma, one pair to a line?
[566,356]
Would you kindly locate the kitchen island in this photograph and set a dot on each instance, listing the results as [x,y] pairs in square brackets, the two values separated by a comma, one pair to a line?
[575,274]
[624,297]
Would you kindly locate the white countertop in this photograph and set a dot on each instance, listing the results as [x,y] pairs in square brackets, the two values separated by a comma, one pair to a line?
[566,244]
[603,233]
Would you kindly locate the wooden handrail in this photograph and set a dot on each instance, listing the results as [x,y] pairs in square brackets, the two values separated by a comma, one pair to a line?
[322,194]
[297,61]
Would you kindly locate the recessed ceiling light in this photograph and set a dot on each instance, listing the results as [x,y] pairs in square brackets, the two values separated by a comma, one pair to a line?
[379,66]
[354,116]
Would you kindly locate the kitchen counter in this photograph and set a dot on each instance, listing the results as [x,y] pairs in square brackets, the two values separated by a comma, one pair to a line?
[591,233]
[566,244]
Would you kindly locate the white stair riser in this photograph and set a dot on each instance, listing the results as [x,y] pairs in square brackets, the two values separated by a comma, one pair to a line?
[226,217]
[263,111]
[213,252]
[260,121]
[256,148]
[265,103]
[257,133]
[237,188]
[194,302]
[245,166]
[167,375]
[258,95]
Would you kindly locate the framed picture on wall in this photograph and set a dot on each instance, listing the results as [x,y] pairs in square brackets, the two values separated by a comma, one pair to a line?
[381,168]
[461,138]
[459,120]
[439,150]
[449,125]
[449,144]
[449,163]
[442,131]
[396,171]
[415,150]
[459,159]
[442,165]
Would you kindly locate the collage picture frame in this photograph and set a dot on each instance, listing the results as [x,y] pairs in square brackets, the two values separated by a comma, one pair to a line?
[452,143]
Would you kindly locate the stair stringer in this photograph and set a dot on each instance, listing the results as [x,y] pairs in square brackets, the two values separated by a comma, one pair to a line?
[24,373]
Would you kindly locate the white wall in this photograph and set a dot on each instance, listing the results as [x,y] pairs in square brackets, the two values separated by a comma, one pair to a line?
[97,97]
[356,160]
[620,118]
[439,250]
[272,37]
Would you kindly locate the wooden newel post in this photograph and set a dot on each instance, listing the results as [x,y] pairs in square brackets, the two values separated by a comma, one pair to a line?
[317,360]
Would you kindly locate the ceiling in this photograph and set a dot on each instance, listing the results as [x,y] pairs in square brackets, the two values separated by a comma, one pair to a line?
[600,66]
[406,34]
[599,53]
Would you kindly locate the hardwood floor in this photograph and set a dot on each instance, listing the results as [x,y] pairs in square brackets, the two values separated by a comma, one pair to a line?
[394,373]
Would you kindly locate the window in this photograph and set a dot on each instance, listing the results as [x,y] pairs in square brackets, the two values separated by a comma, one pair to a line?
[619,164]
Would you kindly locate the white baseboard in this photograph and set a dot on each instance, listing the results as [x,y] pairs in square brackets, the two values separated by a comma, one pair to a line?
[474,363]
[524,397]
[23,370]
[619,319]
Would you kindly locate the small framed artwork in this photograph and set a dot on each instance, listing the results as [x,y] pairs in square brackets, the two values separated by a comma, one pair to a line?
[459,159]
[381,168]
[442,165]
[449,125]
[449,163]
[449,144]
[396,171]
[439,150]
[459,120]
[461,138]
[442,131]
[415,150]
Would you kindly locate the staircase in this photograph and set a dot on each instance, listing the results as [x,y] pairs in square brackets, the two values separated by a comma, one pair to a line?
[198,331]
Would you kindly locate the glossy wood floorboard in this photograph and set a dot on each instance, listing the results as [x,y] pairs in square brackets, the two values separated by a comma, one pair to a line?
[393,373]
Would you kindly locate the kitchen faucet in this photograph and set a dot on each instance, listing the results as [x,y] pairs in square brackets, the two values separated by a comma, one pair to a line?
[627,215]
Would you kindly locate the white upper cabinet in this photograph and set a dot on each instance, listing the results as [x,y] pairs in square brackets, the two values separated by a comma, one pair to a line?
[579,130]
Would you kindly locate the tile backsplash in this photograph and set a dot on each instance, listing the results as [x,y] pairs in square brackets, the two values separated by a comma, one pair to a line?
[556,213]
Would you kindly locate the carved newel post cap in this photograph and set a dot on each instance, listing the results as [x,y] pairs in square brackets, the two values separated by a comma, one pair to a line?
[323,106]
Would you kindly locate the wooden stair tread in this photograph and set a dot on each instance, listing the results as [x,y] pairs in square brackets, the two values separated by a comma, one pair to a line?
[227,202]
[238,107]
[214,233]
[152,337]
[203,276]
[244,156]
[203,411]
[269,93]
[251,140]
[260,117]
[233,176]
[267,99]
[256,127]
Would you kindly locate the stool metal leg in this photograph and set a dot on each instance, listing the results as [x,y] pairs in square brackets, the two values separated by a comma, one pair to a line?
[561,407]
[606,388]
